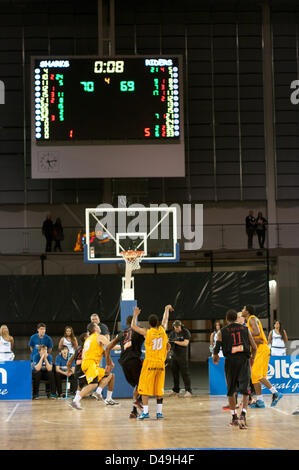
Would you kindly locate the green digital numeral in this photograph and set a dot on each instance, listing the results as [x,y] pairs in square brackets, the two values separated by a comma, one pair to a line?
[127,86]
[88,86]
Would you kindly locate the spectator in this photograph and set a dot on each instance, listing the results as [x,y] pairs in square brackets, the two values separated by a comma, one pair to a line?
[6,344]
[42,369]
[69,339]
[261,223]
[40,338]
[58,234]
[213,338]
[250,227]
[63,373]
[47,230]
[277,340]
[94,318]
[179,339]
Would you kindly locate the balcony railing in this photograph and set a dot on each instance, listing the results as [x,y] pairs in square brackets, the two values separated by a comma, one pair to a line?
[215,237]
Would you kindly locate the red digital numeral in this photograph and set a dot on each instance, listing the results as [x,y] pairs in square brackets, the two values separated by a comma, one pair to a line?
[147,132]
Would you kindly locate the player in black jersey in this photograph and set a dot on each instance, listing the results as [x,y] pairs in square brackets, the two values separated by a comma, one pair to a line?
[239,350]
[77,358]
[130,359]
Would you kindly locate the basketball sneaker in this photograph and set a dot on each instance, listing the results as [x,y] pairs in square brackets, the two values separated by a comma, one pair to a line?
[159,416]
[111,402]
[97,396]
[251,400]
[143,416]
[242,421]
[133,415]
[275,398]
[76,405]
[235,421]
[295,412]
[258,404]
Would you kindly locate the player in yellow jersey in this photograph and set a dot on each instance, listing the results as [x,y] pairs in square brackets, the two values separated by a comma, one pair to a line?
[152,376]
[95,377]
[260,366]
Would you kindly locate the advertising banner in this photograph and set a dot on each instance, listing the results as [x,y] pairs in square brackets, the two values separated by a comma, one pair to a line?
[283,373]
[15,380]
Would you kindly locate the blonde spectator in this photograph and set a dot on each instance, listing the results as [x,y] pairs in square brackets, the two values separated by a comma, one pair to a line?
[6,344]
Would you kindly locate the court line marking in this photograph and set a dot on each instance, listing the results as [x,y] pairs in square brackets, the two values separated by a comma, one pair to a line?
[281,411]
[12,413]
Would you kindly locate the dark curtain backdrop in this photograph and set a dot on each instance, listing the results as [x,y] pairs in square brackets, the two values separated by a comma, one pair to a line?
[73,298]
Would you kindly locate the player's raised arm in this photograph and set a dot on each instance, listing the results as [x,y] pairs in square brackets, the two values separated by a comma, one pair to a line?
[138,329]
[165,318]
[112,343]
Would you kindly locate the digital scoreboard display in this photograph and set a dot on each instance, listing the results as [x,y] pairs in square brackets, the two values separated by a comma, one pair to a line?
[107,117]
[103,99]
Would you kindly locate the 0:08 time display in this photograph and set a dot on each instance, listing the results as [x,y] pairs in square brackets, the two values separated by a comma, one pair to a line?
[111,66]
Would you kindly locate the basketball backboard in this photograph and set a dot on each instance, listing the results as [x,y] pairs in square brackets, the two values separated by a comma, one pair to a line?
[111,231]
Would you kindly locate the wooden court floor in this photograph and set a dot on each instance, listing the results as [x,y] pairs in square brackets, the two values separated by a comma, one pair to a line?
[195,423]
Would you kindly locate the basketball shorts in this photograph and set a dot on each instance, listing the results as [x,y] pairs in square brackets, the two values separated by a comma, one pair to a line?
[132,369]
[259,368]
[92,371]
[152,378]
[237,374]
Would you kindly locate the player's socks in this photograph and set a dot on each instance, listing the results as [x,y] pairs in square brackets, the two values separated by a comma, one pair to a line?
[109,395]
[273,390]
[159,408]
[145,409]
[99,390]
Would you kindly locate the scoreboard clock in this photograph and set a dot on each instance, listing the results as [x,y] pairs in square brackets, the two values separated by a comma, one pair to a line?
[107,117]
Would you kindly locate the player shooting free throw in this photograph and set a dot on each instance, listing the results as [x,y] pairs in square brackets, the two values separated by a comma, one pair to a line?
[152,376]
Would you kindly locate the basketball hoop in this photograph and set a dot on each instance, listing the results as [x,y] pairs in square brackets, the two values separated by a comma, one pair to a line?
[132,259]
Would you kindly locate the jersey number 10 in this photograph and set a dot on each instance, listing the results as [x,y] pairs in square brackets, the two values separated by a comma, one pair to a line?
[157,344]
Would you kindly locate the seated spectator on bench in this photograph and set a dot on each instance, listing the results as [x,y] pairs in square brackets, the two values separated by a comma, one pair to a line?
[63,373]
[6,344]
[42,369]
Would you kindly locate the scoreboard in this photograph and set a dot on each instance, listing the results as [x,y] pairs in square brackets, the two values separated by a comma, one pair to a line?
[107,117]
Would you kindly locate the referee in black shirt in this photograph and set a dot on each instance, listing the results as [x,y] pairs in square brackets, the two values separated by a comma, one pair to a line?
[179,339]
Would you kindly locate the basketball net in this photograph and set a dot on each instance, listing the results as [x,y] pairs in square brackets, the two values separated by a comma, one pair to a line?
[132,259]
